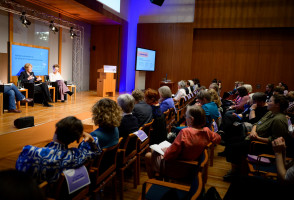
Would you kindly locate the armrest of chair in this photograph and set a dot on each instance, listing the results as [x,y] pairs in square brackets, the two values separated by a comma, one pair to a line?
[162,183]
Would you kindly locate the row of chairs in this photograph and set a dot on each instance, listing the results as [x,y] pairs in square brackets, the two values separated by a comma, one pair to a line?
[111,162]
[181,105]
[191,188]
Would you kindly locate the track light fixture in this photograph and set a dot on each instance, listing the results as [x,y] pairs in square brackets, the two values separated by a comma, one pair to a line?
[72,33]
[24,20]
[53,28]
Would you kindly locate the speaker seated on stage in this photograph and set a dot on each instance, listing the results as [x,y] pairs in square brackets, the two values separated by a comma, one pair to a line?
[55,76]
[12,94]
[47,163]
[28,78]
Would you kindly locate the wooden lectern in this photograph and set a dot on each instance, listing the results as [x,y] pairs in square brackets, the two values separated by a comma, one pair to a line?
[106,81]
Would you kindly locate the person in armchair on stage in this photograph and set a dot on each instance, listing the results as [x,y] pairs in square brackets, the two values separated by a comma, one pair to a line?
[28,76]
[47,163]
[14,95]
[55,76]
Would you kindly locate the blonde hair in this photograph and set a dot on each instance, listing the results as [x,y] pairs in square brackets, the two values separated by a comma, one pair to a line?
[214,97]
[106,113]
[138,95]
[27,65]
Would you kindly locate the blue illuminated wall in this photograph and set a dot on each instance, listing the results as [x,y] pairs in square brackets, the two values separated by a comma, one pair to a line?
[127,73]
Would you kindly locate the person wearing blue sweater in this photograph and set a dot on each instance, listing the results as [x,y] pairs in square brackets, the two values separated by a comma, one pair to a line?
[210,108]
[165,102]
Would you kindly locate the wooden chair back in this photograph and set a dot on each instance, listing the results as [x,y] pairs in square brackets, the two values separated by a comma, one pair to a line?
[59,189]
[147,129]
[129,149]
[185,169]
[105,164]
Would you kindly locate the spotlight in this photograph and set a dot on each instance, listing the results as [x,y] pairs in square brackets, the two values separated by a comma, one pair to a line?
[53,28]
[72,33]
[25,22]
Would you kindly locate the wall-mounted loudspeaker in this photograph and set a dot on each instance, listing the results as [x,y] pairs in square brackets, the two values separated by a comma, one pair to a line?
[157,2]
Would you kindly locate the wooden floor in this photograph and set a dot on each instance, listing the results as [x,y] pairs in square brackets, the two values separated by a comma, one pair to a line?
[83,103]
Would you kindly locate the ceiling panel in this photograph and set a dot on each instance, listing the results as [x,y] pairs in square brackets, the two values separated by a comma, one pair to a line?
[88,10]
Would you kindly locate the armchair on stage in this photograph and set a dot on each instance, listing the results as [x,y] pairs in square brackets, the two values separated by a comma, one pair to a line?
[106,81]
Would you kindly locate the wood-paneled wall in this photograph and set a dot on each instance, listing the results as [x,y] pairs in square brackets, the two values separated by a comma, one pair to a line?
[243,13]
[105,40]
[255,56]
[173,45]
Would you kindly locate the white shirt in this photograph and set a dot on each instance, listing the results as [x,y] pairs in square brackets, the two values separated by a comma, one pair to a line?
[55,77]
[181,93]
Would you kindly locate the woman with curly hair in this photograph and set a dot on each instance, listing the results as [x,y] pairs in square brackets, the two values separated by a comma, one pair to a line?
[107,115]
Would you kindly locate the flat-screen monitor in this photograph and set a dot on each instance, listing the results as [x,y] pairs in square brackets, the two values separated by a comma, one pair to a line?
[145,59]
[20,54]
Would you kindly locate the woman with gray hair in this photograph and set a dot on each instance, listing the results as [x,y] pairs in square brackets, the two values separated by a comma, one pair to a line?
[129,123]
[181,90]
[165,101]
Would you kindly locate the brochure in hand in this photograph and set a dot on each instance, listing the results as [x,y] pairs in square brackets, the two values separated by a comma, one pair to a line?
[158,147]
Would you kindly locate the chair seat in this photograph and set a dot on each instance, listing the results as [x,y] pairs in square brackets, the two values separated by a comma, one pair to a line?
[158,192]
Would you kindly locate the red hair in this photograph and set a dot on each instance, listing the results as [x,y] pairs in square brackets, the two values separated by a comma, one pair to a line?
[151,96]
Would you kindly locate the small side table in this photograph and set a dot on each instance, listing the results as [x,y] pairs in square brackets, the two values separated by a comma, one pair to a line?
[26,91]
[52,88]
[70,87]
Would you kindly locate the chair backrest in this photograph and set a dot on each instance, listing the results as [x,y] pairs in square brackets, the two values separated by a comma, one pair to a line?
[59,189]
[186,169]
[105,163]
[147,129]
[130,147]
[166,115]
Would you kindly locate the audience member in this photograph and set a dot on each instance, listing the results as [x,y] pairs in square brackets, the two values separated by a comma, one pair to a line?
[159,132]
[47,163]
[142,111]
[269,91]
[107,115]
[181,91]
[241,99]
[290,109]
[166,102]
[191,84]
[28,76]
[251,115]
[56,77]
[215,87]
[188,88]
[129,123]
[196,83]
[271,126]
[19,185]
[249,90]
[188,145]
[263,187]
[14,95]
[285,87]
[278,90]
[214,97]
[210,108]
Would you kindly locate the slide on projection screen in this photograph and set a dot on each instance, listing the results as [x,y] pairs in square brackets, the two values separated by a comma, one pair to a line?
[145,59]
[37,56]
